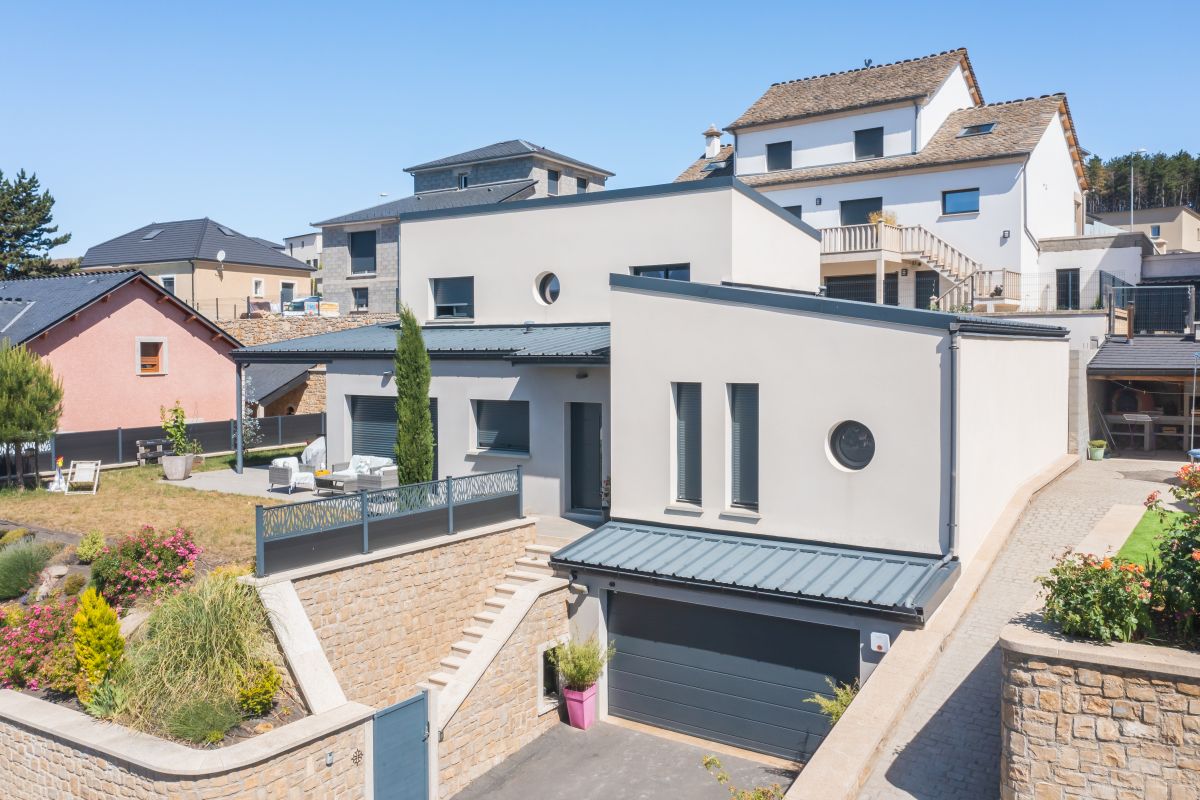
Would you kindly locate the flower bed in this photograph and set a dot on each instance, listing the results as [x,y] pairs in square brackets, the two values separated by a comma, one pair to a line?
[145,565]
[36,650]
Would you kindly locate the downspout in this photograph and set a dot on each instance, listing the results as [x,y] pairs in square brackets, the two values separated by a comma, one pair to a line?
[952,500]
[192,264]
[916,136]
[397,265]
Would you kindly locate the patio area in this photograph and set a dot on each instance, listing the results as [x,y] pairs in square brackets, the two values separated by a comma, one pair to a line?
[253,482]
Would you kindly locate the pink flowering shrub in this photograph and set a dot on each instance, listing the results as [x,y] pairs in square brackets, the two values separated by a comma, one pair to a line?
[36,647]
[144,565]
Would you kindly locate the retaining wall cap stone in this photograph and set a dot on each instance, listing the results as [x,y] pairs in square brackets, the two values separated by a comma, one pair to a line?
[1038,638]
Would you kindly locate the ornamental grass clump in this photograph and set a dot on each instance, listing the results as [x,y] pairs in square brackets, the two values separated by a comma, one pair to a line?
[20,565]
[580,663]
[145,565]
[98,642]
[1097,598]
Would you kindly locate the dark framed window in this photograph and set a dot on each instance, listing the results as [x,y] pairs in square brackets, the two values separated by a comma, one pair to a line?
[976,130]
[453,298]
[1066,289]
[743,444]
[891,289]
[795,211]
[868,143]
[360,298]
[362,252]
[464,181]
[851,287]
[687,442]
[502,425]
[858,212]
[548,288]
[852,444]
[779,156]
[672,272]
[581,185]
[927,288]
[551,181]
[960,201]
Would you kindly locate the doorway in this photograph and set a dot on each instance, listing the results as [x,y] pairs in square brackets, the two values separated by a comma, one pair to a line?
[587,458]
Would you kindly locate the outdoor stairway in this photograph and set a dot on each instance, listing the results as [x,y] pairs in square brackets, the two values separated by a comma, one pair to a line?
[952,264]
[490,628]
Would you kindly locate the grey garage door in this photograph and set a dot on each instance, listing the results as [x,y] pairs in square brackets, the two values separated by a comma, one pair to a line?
[722,675]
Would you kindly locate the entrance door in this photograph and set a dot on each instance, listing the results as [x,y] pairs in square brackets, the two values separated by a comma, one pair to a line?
[724,675]
[926,287]
[287,293]
[587,459]
[400,739]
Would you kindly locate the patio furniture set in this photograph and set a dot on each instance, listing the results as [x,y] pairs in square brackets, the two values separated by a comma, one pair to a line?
[359,473]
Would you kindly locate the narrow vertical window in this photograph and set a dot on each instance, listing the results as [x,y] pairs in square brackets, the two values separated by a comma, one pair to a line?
[551,181]
[687,442]
[743,444]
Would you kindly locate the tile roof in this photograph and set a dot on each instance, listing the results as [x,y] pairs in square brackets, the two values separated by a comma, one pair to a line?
[913,79]
[184,240]
[1145,355]
[1019,126]
[513,148]
[906,585]
[514,343]
[697,172]
[484,194]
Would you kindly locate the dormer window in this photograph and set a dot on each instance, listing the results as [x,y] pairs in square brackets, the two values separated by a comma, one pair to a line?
[713,166]
[868,143]
[463,181]
[976,130]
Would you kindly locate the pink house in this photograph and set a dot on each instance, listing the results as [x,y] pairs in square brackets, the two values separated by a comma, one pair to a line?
[123,347]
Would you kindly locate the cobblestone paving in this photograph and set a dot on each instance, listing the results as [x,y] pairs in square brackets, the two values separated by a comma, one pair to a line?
[948,744]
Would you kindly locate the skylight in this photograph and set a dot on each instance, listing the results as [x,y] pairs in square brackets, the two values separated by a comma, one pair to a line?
[713,165]
[152,234]
[977,130]
[225,230]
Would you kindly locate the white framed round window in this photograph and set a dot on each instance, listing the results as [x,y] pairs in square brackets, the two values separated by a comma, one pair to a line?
[852,444]
[547,287]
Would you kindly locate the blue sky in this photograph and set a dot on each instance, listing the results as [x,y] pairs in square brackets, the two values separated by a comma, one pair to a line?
[269,116]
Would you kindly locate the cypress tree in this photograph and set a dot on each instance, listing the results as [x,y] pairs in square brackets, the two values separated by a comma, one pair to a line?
[414,428]
[30,401]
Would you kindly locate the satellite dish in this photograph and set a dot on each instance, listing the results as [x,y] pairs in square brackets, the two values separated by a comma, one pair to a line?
[220,255]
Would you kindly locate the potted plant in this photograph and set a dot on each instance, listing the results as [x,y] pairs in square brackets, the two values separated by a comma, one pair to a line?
[1096,449]
[579,665]
[177,467]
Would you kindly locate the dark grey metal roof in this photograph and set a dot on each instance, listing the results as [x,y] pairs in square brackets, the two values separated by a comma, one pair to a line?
[184,240]
[1145,355]
[573,344]
[432,201]
[797,301]
[895,584]
[268,380]
[513,148]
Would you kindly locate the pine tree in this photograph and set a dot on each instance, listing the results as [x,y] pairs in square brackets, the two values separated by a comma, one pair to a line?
[414,427]
[98,642]
[30,402]
[26,235]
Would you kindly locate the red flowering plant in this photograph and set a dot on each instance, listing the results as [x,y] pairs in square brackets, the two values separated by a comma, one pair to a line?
[1175,570]
[145,565]
[36,647]
[1097,598]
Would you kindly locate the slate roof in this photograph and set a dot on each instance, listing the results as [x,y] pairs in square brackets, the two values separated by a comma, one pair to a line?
[913,79]
[574,344]
[1145,355]
[268,380]
[1019,126]
[904,585]
[697,172]
[484,194]
[184,240]
[29,306]
[513,148]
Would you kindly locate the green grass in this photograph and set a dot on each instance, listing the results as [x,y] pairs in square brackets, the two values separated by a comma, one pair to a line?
[1142,544]
[256,459]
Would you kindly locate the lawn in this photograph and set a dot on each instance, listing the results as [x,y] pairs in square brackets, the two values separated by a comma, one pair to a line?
[223,524]
[1143,542]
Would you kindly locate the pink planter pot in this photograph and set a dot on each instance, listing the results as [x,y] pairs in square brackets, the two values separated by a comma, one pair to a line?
[581,707]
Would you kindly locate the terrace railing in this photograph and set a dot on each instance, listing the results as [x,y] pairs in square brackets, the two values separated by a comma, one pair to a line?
[315,531]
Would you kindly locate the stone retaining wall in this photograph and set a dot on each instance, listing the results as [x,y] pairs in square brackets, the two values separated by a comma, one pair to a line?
[500,715]
[1081,720]
[386,624]
[275,329]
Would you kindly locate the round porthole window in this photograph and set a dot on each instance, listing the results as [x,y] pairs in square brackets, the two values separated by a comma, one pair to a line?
[547,288]
[852,444]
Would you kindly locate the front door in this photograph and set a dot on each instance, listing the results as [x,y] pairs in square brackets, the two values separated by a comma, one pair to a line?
[586,456]
[287,293]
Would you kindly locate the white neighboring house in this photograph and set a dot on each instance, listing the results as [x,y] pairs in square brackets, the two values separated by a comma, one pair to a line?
[306,247]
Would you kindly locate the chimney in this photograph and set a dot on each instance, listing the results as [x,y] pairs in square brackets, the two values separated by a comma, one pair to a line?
[712,142]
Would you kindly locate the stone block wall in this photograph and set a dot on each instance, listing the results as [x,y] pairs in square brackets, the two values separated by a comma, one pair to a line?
[337,281]
[500,715]
[385,625]
[1113,723]
[276,329]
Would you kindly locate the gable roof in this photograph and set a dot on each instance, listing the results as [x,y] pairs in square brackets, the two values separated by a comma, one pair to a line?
[513,148]
[1145,355]
[32,306]
[426,201]
[186,240]
[697,171]
[1019,127]
[913,79]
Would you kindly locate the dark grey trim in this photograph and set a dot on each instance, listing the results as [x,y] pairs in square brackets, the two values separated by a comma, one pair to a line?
[775,208]
[883,170]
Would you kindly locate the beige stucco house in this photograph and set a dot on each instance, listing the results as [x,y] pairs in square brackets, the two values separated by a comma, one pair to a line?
[1175,229]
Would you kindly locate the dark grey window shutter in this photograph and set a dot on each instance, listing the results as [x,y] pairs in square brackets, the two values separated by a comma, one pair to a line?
[373,426]
[687,441]
[743,408]
[362,251]
[454,297]
[502,425]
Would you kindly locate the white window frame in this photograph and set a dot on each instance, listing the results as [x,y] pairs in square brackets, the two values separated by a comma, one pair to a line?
[163,365]
[162,280]
[258,287]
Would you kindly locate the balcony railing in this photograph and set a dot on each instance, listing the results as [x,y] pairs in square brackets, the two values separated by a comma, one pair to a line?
[861,238]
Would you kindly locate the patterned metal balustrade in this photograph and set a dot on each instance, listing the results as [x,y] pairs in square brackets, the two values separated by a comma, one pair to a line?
[415,510]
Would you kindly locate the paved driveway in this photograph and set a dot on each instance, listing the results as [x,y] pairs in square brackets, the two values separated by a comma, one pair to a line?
[948,744]
[610,762]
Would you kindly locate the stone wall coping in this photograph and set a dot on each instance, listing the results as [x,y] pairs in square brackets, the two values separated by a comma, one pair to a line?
[391,552]
[164,757]
[1034,637]
[301,647]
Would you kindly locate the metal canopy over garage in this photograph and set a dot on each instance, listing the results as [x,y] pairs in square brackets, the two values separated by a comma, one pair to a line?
[901,586]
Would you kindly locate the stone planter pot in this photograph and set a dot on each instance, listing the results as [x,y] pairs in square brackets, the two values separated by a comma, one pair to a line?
[581,707]
[176,468]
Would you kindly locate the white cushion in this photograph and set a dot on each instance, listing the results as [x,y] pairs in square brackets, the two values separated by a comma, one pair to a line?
[291,462]
[365,464]
[343,475]
[304,480]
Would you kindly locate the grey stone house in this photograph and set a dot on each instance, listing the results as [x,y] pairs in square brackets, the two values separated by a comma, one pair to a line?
[360,255]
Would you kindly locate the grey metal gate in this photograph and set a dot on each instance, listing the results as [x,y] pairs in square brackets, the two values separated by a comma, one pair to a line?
[400,744]
[724,675]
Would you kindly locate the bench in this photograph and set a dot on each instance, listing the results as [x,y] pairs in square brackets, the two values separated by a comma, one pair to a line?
[150,451]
